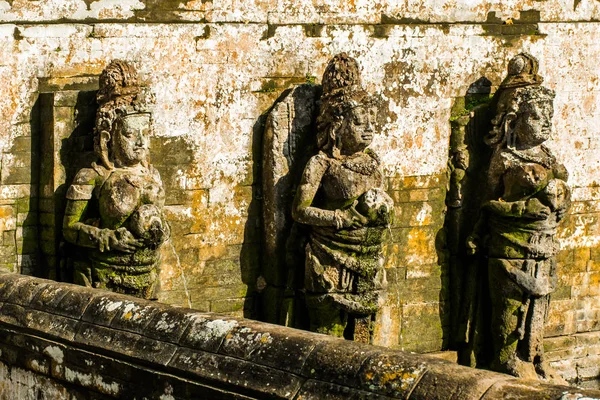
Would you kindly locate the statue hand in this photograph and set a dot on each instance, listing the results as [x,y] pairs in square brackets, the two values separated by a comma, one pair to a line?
[473,244]
[126,242]
[352,218]
[119,240]
[534,209]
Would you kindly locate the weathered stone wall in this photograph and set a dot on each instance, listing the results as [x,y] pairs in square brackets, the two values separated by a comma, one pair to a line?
[60,341]
[215,67]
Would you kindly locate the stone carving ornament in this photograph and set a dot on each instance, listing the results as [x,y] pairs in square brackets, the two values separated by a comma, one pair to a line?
[114,208]
[341,198]
[527,198]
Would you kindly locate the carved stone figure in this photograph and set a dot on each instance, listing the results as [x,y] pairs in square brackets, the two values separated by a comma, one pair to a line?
[527,197]
[114,208]
[341,198]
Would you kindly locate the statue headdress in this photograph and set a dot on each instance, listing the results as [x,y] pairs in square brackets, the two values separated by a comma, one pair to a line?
[521,86]
[522,71]
[342,91]
[118,95]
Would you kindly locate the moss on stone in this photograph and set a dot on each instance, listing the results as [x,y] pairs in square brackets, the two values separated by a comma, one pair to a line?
[470,102]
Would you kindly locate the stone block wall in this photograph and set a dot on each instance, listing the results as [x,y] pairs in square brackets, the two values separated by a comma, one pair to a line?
[214,69]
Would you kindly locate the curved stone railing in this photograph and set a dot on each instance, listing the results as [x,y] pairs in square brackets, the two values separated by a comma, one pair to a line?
[62,340]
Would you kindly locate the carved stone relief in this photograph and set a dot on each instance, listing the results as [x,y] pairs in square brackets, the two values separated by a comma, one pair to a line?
[527,196]
[342,201]
[114,208]
[288,143]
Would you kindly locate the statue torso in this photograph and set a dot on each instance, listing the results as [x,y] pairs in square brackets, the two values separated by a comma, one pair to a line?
[522,237]
[124,190]
[345,180]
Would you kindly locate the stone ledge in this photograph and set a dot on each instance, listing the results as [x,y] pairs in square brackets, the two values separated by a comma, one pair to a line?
[68,332]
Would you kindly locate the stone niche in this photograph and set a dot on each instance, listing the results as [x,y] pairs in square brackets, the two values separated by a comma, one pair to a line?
[326,213]
[288,143]
[66,109]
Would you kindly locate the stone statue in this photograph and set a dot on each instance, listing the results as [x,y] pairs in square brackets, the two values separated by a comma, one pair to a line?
[527,197]
[114,208]
[341,199]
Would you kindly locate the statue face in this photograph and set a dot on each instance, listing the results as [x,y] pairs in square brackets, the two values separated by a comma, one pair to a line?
[533,125]
[356,131]
[130,141]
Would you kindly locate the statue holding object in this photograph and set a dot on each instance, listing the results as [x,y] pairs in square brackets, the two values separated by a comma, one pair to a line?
[114,208]
[341,199]
[527,198]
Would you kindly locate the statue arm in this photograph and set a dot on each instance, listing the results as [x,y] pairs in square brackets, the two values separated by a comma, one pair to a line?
[304,212]
[302,209]
[77,232]
[506,208]
[82,234]
[90,236]
[78,196]
[493,185]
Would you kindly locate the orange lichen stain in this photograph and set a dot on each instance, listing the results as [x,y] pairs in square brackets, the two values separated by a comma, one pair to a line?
[229,336]
[67,70]
[594,279]
[200,210]
[265,339]
[388,377]
[6,212]
[419,141]
[128,315]
[418,241]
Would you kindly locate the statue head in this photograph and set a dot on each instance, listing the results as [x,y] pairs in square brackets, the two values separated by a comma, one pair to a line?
[122,125]
[524,109]
[130,139]
[347,113]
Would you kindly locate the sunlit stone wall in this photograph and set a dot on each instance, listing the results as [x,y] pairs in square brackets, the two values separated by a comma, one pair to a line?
[214,68]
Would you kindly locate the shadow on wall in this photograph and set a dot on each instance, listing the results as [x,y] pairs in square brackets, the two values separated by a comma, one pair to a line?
[76,152]
[289,140]
[251,253]
[464,276]
[26,238]
[63,124]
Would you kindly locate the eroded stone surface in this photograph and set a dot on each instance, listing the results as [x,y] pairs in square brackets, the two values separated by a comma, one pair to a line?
[341,199]
[526,197]
[256,360]
[114,207]
[213,80]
